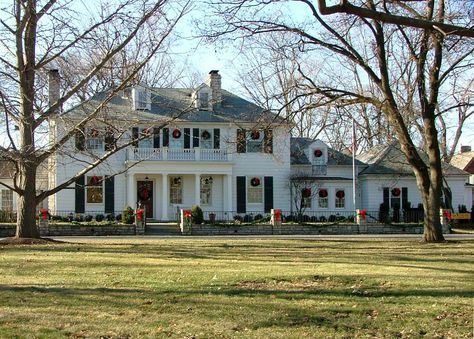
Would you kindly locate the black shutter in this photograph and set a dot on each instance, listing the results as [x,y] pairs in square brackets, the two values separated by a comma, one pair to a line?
[195,137]
[187,138]
[156,137]
[241,196]
[166,137]
[404,198]
[109,139]
[386,197]
[135,136]
[109,196]
[268,141]
[268,193]
[217,138]
[80,195]
[241,141]
[80,139]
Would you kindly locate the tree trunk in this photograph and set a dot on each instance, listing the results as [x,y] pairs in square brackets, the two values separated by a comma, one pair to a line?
[26,209]
[433,231]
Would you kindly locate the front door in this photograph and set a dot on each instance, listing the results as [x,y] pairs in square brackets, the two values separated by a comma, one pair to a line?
[145,196]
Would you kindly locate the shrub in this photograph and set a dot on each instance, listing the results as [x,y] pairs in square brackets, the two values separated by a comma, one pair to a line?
[127,215]
[197,215]
[56,218]
[237,218]
[305,218]
[110,217]
[313,218]
[88,218]
[79,218]
[322,219]
[118,217]
[332,218]
[248,218]
[350,218]
[258,217]
[99,217]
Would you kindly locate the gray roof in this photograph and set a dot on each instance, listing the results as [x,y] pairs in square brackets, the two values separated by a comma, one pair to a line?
[298,157]
[171,102]
[389,159]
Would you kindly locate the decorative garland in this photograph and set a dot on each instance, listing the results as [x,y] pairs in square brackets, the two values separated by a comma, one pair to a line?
[94,132]
[205,135]
[340,194]
[396,192]
[255,135]
[306,192]
[176,133]
[318,153]
[323,193]
[255,182]
[144,194]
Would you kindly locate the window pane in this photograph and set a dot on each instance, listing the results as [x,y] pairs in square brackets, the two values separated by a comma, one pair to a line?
[176,190]
[323,202]
[254,190]
[94,193]
[7,200]
[206,190]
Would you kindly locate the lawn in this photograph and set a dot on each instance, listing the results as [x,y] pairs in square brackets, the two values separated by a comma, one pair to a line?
[194,288]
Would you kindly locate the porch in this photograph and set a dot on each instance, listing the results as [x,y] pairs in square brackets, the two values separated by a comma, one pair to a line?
[177,154]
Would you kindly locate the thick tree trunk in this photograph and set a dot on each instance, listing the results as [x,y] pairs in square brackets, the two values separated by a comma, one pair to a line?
[433,231]
[26,208]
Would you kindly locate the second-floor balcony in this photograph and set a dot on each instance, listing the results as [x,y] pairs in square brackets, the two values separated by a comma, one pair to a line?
[177,154]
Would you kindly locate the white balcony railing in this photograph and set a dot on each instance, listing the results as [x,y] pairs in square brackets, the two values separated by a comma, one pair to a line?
[177,154]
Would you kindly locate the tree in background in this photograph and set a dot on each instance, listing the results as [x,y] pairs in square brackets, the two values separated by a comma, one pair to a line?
[87,40]
[398,60]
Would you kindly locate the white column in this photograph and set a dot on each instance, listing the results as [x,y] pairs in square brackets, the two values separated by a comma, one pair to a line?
[164,197]
[131,191]
[197,189]
[227,192]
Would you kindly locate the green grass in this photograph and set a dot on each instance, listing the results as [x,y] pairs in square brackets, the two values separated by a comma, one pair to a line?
[237,289]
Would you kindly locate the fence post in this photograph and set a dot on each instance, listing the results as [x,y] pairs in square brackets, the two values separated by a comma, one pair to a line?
[185,222]
[445,216]
[140,221]
[44,221]
[276,221]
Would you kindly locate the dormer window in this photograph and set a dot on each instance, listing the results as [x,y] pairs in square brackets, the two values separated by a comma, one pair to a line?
[204,100]
[141,98]
[319,156]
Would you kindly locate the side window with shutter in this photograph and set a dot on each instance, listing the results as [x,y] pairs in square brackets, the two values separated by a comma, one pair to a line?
[135,136]
[241,142]
[80,139]
[166,137]
[217,138]
[268,141]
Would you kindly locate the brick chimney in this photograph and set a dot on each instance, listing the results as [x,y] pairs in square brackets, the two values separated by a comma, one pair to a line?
[214,81]
[465,149]
[53,86]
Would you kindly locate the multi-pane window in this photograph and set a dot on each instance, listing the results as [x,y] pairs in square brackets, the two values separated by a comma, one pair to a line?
[206,139]
[255,141]
[254,190]
[7,200]
[95,194]
[340,198]
[204,100]
[306,202]
[94,139]
[206,190]
[176,190]
[323,198]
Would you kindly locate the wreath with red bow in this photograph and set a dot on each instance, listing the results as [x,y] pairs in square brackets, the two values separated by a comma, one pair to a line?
[205,135]
[323,193]
[255,135]
[340,194]
[94,132]
[318,153]
[94,180]
[176,133]
[255,182]
[396,192]
[144,194]
[306,192]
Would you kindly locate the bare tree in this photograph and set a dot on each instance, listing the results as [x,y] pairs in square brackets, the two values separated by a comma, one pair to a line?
[304,189]
[404,71]
[37,36]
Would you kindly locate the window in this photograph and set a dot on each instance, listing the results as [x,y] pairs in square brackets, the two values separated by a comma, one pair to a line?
[7,200]
[323,198]
[340,198]
[254,190]
[306,202]
[203,100]
[94,189]
[148,142]
[206,140]
[94,139]
[255,141]
[176,190]
[206,190]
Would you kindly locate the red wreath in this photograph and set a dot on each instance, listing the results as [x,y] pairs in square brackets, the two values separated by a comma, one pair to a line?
[340,194]
[205,135]
[144,194]
[94,132]
[396,192]
[255,135]
[255,182]
[306,192]
[323,193]
[176,133]
[94,180]
[318,153]
[147,131]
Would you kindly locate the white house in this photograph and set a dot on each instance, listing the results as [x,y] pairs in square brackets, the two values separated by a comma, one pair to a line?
[222,153]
